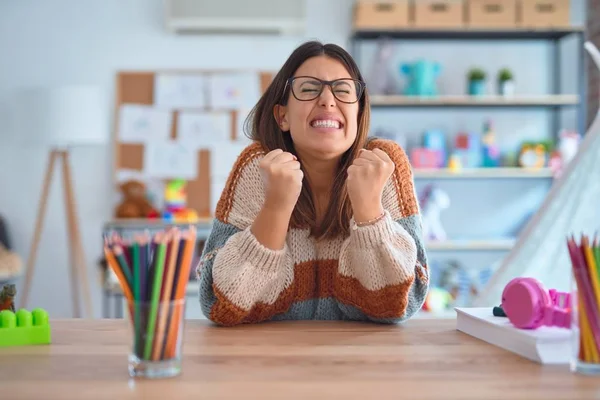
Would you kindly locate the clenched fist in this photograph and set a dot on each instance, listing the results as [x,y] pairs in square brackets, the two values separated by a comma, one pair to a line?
[366,179]
[282,177]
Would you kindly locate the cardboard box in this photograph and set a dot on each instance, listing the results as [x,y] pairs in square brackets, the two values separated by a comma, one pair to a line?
[491,13]
[382,14]
[439,13]
[544,13]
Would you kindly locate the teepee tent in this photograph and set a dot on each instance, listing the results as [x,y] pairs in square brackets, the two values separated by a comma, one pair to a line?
[572,207]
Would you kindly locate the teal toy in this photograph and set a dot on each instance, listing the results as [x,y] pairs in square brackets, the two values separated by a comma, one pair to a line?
[24,327]
[422,78]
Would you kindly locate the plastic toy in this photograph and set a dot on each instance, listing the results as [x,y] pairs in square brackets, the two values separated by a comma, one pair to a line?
[532,155]
[425,158]
[528,305]
[437,300]
[24,328]
[7,297]
[422,77]
[434,200]
[468,147]
[176,201]
[435,140]
[490,151]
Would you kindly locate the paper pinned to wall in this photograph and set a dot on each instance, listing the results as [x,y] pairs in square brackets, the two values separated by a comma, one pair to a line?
[142,124]
[180,90]
[169,159]
[216,189]
[234,90]
[223,158]
[201,129]
[241,116]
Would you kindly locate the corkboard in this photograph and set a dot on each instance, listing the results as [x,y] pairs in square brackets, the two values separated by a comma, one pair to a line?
[138,88]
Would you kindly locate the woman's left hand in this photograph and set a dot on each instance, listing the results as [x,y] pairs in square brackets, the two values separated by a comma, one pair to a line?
[366,179]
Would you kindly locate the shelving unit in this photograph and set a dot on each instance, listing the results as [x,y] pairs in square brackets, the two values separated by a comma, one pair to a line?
[484,173]
[555,102]
[476,101]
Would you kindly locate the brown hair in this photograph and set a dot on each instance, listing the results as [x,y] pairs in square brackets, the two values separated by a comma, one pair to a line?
[264,129]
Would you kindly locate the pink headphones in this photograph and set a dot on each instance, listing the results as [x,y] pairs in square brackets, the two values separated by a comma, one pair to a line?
[528,305]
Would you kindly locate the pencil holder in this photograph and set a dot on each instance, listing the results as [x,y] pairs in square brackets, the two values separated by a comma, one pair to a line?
[157,332]
[585,306]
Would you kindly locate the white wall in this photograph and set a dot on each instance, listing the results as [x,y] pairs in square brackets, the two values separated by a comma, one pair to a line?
[74,41]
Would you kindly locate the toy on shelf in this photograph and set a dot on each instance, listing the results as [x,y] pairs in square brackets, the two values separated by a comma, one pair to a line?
[437,300]
[435,140]
[135,204]
[468,149]
[422,76]
[491,152]
[381,81]
[24,327]
[533,155]
[176,203]
[7,297]
[568,145]
[433,201]
[454,163]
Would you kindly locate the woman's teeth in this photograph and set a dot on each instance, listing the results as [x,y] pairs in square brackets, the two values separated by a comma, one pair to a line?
[325,123]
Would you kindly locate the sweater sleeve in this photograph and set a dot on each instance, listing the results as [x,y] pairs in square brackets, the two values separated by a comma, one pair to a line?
[241,281]
[382,274]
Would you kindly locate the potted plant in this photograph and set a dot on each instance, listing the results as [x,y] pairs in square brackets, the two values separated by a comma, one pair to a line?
[476,81]
[506,86]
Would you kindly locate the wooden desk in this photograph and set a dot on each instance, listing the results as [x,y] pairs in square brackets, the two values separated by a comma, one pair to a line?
[424,359]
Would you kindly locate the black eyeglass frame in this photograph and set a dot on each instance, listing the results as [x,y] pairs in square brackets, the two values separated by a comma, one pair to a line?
[289,82]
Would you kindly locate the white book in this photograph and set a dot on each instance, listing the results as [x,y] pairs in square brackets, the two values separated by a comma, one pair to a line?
[545,345]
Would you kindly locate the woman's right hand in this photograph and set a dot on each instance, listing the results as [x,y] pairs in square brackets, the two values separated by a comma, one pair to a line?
[282,177]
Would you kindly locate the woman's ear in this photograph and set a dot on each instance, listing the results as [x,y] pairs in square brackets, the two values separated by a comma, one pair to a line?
[280,114]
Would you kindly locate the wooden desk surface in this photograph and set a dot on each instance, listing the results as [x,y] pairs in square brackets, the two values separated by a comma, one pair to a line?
[424,359]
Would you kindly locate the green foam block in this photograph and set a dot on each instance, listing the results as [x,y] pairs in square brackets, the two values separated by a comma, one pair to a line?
[24,327]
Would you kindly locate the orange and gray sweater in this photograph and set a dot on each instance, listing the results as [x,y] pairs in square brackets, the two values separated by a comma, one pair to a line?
[377,273]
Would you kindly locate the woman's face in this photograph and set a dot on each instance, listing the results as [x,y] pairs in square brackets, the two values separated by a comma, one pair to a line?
[325,127]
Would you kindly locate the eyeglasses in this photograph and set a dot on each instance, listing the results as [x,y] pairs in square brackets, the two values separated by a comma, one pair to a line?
[307,88]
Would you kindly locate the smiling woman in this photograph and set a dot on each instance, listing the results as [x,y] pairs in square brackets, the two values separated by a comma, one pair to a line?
[316,221]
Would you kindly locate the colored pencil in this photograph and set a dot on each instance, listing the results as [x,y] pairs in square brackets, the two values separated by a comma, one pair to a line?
[585,262]
[153,272]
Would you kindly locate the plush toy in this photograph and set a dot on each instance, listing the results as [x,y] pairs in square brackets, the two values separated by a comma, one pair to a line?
[422,77]
[433,201]
[134,203]
[568,145]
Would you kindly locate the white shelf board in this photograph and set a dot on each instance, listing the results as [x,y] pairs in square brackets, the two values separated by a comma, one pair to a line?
[474,101]
[471,245]
[483,173]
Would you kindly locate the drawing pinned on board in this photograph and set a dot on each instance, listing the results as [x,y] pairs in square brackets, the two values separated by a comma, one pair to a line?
[169,159]
[223,158]
[240,122]
[180,90]
[234,90]
[141,124]
[200,129]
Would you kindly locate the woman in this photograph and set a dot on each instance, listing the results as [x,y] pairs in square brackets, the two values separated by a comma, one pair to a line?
[315,222]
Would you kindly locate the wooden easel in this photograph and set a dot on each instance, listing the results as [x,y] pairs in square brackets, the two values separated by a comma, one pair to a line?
[76,255]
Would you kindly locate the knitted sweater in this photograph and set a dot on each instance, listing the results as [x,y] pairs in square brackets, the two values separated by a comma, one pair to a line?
[378,273]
